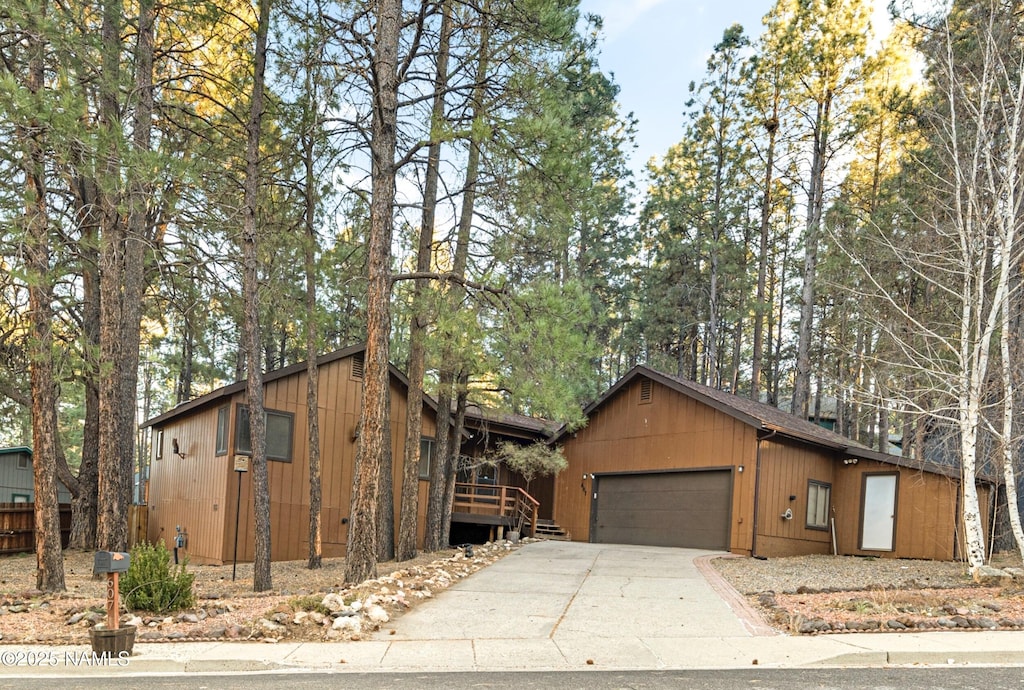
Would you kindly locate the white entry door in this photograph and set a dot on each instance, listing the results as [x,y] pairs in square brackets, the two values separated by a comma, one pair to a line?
[879,521]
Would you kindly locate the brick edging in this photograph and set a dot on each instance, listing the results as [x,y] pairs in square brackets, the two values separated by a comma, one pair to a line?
[748,615]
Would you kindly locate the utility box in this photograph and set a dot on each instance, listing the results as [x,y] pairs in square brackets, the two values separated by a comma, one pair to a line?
[110,562]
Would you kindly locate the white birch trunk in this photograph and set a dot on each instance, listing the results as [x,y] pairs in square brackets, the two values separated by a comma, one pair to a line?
[1008,441]
[986,206]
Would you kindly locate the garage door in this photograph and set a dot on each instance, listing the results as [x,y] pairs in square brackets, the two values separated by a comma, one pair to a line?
[687,509]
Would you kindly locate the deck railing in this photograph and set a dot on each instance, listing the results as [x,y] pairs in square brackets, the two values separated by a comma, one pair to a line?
[517,507]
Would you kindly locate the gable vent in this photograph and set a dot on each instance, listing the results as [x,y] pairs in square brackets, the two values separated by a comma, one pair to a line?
[358,365]
[646,390]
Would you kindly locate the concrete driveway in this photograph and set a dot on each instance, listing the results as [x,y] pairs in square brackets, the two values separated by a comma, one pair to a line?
[589,604]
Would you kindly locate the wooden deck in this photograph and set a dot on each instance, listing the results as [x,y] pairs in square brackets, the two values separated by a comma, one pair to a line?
[507,507]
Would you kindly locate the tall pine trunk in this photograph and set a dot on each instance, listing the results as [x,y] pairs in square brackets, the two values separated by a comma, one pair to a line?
[446,466]
[815,209]
[49,559]
[251,324]
[115,468]
[406,547]
[761,306]
[312,370]
[374,441]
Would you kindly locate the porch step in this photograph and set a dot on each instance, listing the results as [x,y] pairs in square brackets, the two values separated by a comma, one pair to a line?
[549,529]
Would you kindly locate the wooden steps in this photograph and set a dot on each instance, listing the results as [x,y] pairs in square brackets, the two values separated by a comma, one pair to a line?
[549,529]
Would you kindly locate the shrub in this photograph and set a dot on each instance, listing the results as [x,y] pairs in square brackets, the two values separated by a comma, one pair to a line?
[153,584]
[309,603]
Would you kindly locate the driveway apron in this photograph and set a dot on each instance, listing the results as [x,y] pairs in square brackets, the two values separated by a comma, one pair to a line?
[577,600]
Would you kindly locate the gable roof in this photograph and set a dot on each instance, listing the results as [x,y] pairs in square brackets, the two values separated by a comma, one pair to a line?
[767,418]
[224,392]
[476,416]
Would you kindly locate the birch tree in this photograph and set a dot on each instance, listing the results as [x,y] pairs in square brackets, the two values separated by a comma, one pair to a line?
[966,247]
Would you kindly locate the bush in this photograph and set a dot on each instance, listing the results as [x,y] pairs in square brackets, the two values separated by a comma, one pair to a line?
[153,584]
[310,604]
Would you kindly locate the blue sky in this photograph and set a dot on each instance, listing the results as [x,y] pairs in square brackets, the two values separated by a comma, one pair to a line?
[655,48]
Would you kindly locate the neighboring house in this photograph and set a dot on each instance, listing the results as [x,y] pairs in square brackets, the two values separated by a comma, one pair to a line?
[665,461]
[197,446]
[824,411]
[16,481]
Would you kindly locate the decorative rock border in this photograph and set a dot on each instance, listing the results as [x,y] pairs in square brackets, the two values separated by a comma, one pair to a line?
[905,623]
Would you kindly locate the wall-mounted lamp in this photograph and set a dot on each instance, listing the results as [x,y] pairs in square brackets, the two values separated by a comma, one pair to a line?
[788,515]
[591,476]
[850,461]
[739,468]
[175,449]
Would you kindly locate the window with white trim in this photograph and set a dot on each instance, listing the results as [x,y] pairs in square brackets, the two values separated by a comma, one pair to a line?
[819,496]
[222,431]
[426,456]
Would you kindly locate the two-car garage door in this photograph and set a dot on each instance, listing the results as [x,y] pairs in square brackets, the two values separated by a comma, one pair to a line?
[684,509]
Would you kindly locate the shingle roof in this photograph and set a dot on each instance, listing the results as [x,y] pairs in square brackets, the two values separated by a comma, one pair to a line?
[767,418]
[535,427]
[529,426]
[239,386]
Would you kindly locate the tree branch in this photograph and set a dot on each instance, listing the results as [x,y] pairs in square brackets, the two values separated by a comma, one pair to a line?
[449,277]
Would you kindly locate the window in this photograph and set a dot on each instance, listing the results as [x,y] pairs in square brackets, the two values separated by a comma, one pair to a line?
[21,498]
[24,462]
[818,495]
[159,445]
[279,433]
[426,456]
[222,431]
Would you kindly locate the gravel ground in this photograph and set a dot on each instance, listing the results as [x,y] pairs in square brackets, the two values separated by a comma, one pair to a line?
[228,608]
[787,575]
[843,594]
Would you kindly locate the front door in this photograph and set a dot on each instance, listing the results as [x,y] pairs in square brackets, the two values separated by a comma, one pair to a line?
[878,521]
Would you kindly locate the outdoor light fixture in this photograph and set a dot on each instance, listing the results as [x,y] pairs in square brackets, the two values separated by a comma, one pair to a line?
[175,448]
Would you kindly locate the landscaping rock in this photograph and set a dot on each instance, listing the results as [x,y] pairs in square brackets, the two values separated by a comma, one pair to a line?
[987,575]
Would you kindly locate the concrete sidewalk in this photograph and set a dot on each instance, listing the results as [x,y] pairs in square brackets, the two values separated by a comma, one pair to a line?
[554,606]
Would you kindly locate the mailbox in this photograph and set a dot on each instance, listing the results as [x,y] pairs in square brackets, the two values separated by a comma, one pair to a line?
[110,562]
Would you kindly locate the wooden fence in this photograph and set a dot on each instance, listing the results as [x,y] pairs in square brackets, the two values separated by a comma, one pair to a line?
[17,527]
[138,524]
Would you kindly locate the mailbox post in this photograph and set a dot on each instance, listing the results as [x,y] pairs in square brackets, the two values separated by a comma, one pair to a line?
[112,564]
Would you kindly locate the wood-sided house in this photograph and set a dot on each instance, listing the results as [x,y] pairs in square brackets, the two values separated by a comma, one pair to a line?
[665,461]
[200,447]
[17,480]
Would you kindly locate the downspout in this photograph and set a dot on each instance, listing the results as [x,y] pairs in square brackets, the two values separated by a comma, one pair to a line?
[757,490]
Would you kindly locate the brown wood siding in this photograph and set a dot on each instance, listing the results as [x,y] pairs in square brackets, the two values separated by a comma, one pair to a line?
[190,491]
[205,503]
[985,504]
[786,468]
[672,431]
[925,518]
